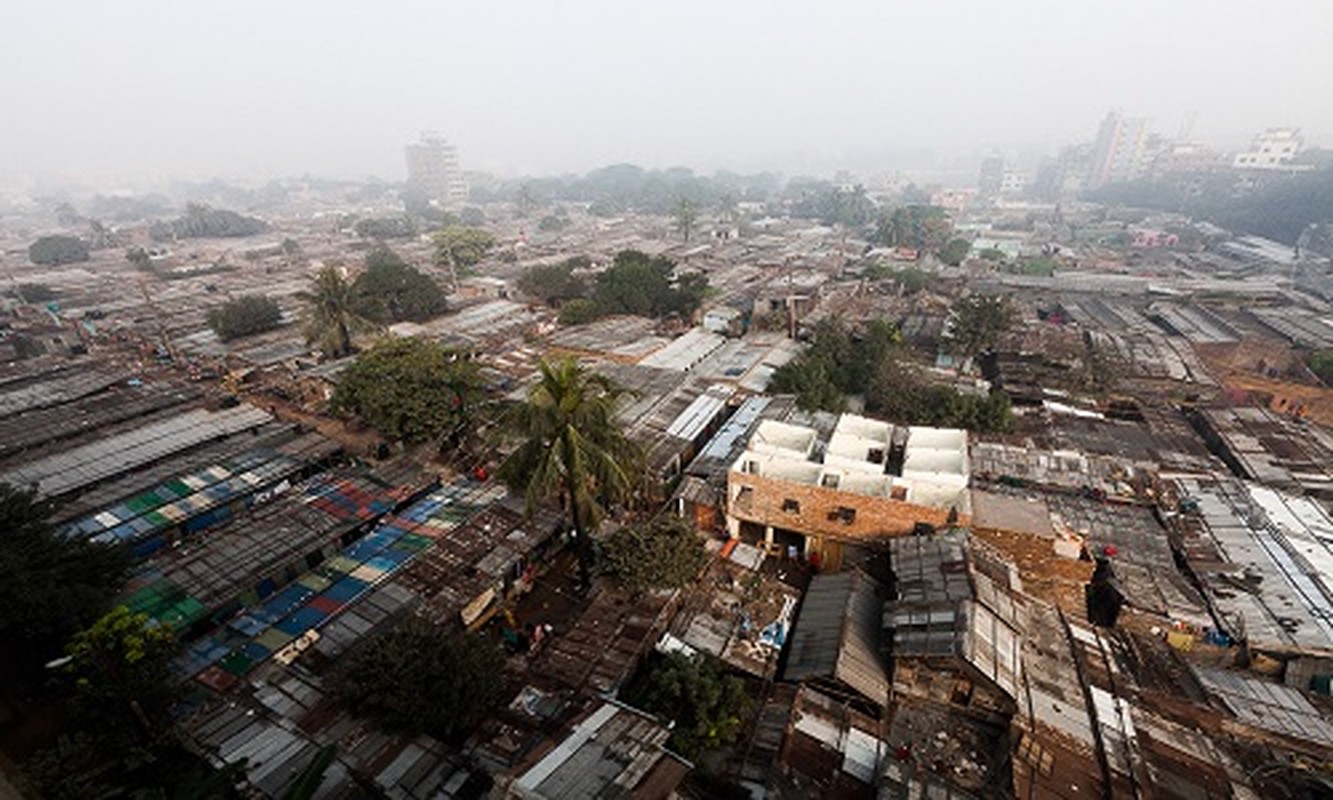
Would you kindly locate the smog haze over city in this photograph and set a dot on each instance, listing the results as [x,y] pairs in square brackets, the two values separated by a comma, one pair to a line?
[132,90]
[666,401]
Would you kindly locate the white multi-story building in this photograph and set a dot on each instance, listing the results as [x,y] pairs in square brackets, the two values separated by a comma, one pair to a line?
[1275,148]
[432,167]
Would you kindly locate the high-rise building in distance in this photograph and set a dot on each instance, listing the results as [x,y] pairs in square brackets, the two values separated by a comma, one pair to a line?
[432,167]
[1121,152]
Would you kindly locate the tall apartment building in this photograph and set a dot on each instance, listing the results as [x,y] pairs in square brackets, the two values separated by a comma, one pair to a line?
[1121,152]
[991,177]
[1275,148]
[432,167]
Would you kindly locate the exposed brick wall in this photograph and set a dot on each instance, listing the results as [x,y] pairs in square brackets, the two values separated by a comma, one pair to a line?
[875,516]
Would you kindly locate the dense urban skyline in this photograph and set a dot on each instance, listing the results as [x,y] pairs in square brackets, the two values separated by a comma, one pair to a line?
[141,90]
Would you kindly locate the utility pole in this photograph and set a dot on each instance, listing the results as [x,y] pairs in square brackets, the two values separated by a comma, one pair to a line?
[157,317]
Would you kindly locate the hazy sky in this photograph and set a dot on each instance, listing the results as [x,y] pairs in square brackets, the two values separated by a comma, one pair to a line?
[242,88]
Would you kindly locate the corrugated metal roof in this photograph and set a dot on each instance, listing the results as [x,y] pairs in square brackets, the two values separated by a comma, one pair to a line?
[836,636]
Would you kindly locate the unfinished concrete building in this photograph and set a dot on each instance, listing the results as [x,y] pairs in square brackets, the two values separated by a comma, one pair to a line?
[870,480]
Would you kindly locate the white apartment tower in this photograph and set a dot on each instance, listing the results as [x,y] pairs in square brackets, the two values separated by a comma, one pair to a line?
[432,167]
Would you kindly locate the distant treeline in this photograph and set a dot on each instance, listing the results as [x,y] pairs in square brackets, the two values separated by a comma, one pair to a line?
[626,187]
[1278,207]
[201,221]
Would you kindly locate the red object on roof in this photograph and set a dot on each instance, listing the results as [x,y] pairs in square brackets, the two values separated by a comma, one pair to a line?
[728,547]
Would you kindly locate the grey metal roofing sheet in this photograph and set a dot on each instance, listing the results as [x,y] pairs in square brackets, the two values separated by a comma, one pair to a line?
[836,635]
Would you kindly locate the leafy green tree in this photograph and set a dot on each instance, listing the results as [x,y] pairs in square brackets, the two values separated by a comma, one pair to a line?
[291,250]
[899,393]
[993,254]
[684,216]
[459,247]
[978,321]
[244,316]
[423,678]
[53,585]
[413,389]
[839,362]
[56,250]
[637,283]
[385,228]
[121,672]
[917,226]
[663,554]
[579,311]
[572,448]
[202,221]
[139,258]
[851,208]
[955,251]
[1321,364]
[331,315]
[472,215]
[552,223]
[554,284]
[391,290]
[707,707]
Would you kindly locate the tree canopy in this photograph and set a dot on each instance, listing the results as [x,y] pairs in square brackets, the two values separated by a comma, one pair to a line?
[955,251]
[835,205]
[461,246]
[1280,207]
[421,678]
[201,221]
[708,707]
[663,554]
[871,362]
[56,250]
[121,672]
[243,316]
[684,216]
[1321,364]
[555,284]
[413,389]
[839,362]
[401,227]
[918,226]
[331,314]
[391,290]
[53,585]
[571,448]
[978,321]
[637,283]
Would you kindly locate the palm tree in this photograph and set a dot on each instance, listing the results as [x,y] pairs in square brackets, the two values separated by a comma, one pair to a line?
[572,449]
[331,316]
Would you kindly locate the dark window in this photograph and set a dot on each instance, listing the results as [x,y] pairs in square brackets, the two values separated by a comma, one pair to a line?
[791,506]
[842,514]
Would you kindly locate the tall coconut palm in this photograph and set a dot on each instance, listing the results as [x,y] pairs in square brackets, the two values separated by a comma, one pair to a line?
[572,448]
[330,316]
